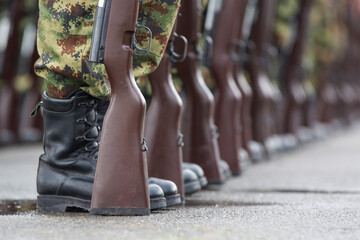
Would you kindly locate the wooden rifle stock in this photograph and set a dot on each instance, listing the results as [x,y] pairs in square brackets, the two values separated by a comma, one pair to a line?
[201,144]
[30,128]
[121,179]
[261,110]
[348,71]
[8,97]
[241,82]
[295,93]
[162,125]
[228,95]
[354,112]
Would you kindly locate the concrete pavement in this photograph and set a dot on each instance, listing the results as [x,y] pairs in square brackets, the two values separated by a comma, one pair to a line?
[310,193]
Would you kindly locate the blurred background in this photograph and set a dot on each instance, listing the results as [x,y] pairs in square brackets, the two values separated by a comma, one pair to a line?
[312,61]
[297,64]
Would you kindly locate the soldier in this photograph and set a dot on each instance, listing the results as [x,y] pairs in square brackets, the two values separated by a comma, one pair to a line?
[76,90]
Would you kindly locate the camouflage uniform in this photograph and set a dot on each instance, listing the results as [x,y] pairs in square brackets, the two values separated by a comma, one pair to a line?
[64,39]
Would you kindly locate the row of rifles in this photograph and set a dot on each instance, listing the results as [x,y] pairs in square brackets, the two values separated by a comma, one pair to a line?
[243,116]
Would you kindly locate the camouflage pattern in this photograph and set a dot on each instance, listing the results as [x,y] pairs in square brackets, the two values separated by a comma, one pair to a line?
[204,3]
[286,12]
[327,40]
[159,16]
[64,39]
[284,30]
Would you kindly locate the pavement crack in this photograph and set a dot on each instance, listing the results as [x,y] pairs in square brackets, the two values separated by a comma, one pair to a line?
[226,203]
[299,191]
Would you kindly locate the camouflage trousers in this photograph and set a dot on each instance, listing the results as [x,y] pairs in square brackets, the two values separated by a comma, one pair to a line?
[64,38]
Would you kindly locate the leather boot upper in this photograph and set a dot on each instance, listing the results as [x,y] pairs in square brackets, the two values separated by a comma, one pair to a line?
[71,142]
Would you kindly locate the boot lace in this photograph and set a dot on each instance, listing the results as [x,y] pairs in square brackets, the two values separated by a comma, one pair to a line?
[90,148]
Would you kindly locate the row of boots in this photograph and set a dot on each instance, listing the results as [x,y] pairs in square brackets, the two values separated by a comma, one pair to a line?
[213,128]
[72,129]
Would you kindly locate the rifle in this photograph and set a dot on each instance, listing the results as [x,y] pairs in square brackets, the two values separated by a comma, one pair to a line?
[213,9]
[30,128]
[294,90]
[5,24]
[228,95]
[162,124]
[355,83]
[275,140]
[97,49]
[261,110]
[239,57]
[8,97]
[121,178]
[327,95]
[200,137]
[347,70]
[247,17]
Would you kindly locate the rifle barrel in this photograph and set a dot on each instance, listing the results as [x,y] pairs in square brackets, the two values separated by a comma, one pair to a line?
[98,26]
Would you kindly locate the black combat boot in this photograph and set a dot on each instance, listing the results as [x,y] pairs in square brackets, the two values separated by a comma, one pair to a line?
[71,142]
[170,190]
[198,171]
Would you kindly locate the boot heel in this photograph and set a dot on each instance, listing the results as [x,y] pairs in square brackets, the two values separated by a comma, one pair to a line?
[61,204]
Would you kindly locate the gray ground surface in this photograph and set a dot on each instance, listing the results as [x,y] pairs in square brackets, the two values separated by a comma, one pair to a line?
[310,193]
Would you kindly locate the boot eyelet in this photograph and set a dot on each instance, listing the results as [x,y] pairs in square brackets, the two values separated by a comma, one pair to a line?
[80,138]
[83,104]
[81,120]
[83,150]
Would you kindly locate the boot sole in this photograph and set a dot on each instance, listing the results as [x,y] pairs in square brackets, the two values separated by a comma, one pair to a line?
[203,181]
[227,175]
[72,204]
[215,183]
[62,204]
[173,200]
[192,187]
[158,203]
